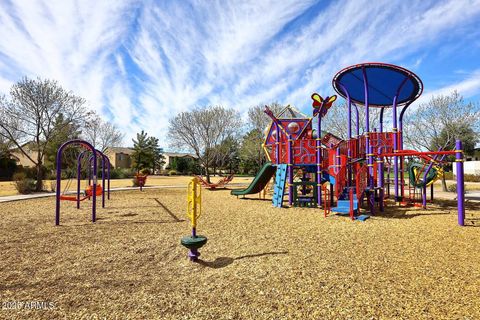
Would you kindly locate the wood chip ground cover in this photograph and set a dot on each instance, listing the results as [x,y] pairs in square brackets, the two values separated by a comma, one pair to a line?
[259,263]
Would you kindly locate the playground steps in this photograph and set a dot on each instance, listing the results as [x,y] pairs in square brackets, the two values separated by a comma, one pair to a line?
[343,203]
[279,188]
[343,206]
[345,195]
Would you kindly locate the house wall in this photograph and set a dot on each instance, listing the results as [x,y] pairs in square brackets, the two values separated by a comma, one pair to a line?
[474,157]
[469,167]
[23,160]
[123,160]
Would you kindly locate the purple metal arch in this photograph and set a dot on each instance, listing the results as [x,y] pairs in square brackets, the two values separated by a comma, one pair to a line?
[84,144]
[104,159]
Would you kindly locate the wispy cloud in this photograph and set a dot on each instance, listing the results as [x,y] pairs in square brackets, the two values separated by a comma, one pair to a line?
[141,63]
[467,87]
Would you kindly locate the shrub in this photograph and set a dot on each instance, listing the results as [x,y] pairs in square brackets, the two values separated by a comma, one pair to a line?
[23,184]
[448,175]
[452,188]
[472,178]
[51,175]
[145,171]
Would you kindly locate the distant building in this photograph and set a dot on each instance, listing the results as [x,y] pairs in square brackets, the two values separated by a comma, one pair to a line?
[22,159]
[120,158]
[471,164]
[475,156]
[171,156]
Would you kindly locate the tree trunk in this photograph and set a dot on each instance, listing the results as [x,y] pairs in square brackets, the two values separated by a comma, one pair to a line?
[444,184]
[39,183]
[207,174]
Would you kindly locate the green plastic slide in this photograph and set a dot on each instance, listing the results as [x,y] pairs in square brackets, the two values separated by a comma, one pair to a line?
[412,172]
[260,181]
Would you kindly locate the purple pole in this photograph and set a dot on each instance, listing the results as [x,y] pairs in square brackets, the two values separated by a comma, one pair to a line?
[396,145]
[108,175]
[57,189]
[94,197]
[349,126]
[318,146]
[381,180]
[395,149]
[400,145]
[460,183]
[290,170]
[79,172]
[367,144]
[381,119]
[357,132]
[103,180]
[277,142]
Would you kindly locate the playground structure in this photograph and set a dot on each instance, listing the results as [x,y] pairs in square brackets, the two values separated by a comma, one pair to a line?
[194,211]
[308,162]
[219,184]
[93,189]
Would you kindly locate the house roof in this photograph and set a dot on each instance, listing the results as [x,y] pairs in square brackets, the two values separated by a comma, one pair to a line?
[179,154]
[119,150]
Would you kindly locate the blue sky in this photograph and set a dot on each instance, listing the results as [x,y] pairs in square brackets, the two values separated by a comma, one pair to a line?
[138,63]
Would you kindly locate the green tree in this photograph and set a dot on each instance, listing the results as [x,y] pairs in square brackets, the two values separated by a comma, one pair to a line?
[142,157]
[64,131]
[439,122]
[7,164]
[147,153]
[158,159]
[251,152]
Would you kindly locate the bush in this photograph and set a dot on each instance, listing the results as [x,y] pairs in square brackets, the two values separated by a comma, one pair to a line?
[448,175]
[51,175]
[467,177]
[145,172]
[452,188]
[172,173]
[23,184]
[472,178]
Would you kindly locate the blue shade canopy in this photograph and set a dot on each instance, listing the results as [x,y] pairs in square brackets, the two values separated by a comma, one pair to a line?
[385,81]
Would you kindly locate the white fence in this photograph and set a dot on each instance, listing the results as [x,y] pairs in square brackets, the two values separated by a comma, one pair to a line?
[469,167]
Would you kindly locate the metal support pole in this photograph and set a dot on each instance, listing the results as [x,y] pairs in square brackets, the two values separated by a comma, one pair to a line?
[460,183]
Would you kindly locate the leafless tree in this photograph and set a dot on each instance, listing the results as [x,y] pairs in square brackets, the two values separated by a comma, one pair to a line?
[102,134]
[258,119]
[336,120]
[30,113]
[439,122]
[201,130]
[425,124]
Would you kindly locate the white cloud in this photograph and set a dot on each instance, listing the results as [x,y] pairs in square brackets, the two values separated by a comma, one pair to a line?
[468,87]
[141,63]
